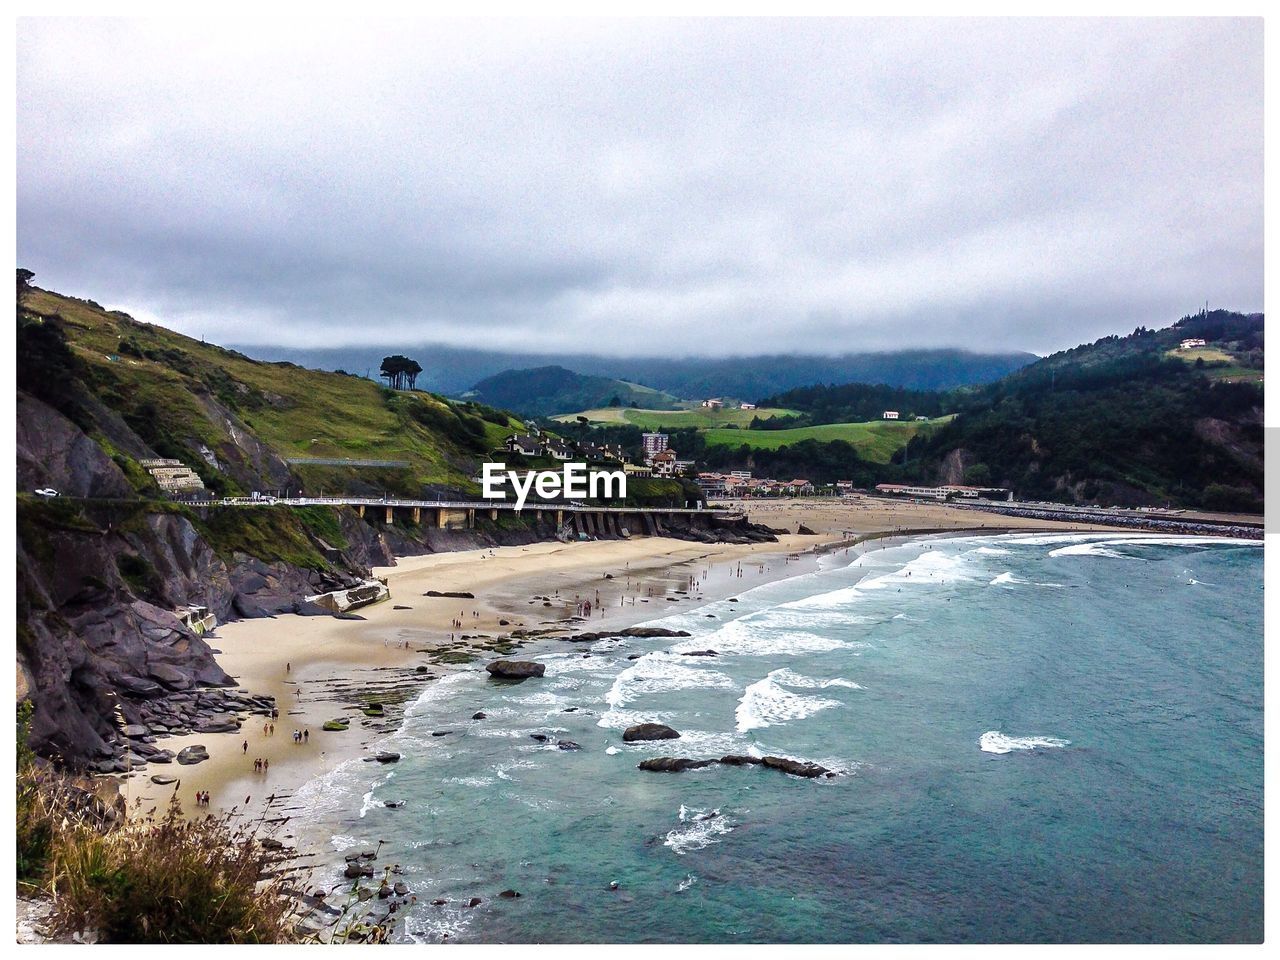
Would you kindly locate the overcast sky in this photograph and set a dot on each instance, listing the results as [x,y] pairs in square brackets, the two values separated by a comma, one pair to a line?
[682,187]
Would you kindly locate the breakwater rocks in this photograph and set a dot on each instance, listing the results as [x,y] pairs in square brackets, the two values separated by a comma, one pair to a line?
[796,768]
[645,633]
[1174,525]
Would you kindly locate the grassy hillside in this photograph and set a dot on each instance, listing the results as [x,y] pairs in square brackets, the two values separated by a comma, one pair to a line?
[875,440]
[205,405]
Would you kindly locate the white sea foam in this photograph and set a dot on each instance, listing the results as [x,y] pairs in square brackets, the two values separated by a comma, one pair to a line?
[790,678]
[993,551]
[686,883]
[993,741]
[765,704]
[1005,579]
[699,828]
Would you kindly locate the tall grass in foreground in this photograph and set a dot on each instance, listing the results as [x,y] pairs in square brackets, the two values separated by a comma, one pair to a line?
[145,878]
[167,879]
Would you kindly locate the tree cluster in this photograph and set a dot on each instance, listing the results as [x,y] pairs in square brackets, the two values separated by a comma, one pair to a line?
[400,372]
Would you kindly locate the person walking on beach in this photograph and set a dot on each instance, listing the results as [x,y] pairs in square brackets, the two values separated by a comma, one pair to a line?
[306,736]
[245,747]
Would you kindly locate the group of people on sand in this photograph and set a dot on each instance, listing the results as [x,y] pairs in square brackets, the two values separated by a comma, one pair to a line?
[202,798]
[261,765]
[302,736]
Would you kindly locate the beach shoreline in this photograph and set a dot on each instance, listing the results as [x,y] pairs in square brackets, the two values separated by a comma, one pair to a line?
[323,668]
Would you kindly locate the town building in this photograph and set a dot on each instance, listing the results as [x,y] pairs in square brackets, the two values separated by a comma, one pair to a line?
[173,476]
[652,443]
[890,415]
[663,463]
[951,491]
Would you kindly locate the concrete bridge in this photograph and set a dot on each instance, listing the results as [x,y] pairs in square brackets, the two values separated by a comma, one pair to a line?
[461,514]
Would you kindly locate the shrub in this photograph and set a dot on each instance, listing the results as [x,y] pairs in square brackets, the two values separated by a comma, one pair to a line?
[168,880]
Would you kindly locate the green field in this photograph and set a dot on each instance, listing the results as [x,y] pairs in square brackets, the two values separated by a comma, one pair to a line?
[699,417]
[875,440]
[1219,364]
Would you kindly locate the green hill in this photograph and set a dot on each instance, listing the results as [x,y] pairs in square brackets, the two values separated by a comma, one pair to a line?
[546,391]
[702,418]
[1131,420]
[141,390]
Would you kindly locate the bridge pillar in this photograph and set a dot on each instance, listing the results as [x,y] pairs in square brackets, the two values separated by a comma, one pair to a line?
[493,513]
[360,511]
[440,518]
[417,515]
[389,518]
[471,518]
[559,517]
[537,516]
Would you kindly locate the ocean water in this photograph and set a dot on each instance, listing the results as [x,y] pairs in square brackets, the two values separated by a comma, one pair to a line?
[1049,738]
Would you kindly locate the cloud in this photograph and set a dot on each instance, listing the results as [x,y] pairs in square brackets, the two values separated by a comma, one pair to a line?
[645,186]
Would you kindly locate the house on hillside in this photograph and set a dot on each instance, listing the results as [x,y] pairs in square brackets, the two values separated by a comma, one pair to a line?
[524,444]
[1191,344]
[746,406]
[713,403]
[889,415]
[558,449]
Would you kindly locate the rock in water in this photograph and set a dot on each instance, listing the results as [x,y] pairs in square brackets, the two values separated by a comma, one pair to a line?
[509,894]
[797,768]
[649,731]
[673,764]
[384,757]
[568,745]
[479,715]
[515,669]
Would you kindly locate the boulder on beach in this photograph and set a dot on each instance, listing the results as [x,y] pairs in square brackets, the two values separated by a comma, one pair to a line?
[196,753]
[162,780]
[334,726]
[804,531]
[673,764]
[515,669]
[649,731]
[458,594]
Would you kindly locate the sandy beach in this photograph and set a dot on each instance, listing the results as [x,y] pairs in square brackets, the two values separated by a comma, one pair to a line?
[320,668]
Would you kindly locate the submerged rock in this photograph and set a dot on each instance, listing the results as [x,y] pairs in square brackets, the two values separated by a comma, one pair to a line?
[673,764]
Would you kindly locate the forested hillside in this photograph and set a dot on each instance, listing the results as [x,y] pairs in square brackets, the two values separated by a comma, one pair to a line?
[1127,420]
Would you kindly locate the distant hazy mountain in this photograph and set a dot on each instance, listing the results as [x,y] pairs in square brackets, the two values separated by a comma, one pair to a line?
[454,370]
[546,391]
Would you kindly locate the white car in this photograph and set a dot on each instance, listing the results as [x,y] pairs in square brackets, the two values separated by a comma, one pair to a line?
[46,492]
